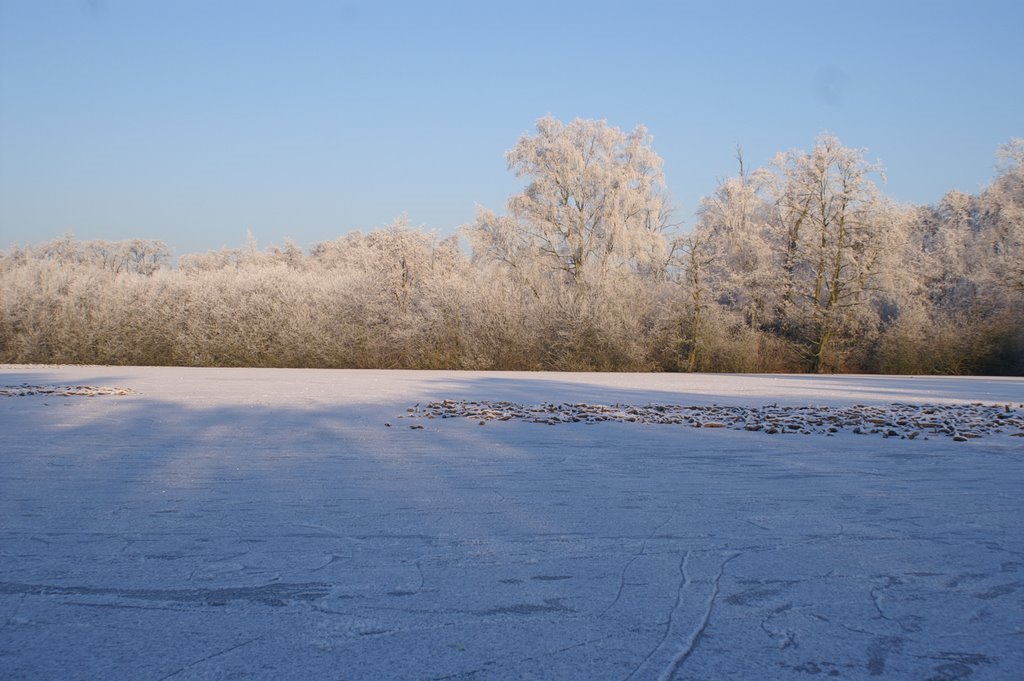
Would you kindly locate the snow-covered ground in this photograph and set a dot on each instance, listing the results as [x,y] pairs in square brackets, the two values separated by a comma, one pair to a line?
[238,523]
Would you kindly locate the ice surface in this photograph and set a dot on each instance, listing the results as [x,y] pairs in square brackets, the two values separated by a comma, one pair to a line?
[238,523]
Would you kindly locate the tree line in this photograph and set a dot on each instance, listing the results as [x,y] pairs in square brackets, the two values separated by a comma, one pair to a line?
[801,266]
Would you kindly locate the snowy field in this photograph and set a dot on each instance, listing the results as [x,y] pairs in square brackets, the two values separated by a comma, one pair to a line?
[237,523]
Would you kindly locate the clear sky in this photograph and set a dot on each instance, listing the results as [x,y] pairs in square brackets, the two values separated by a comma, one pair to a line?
[193,121]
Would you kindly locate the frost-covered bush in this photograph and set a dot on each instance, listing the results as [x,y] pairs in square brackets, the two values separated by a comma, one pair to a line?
[801,266]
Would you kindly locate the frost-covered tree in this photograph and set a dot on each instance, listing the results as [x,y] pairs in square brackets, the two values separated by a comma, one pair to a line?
[595,203]
[1002,208]
[733,224]
[586,242]
[799,251]
[803,265]
[833,233]
[699,253]
[957,293]
[138,256]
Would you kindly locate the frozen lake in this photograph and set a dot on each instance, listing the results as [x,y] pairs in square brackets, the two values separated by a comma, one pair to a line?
[239,523]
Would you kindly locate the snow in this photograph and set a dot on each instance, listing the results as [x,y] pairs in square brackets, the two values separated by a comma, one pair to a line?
[962,422]
[240,523]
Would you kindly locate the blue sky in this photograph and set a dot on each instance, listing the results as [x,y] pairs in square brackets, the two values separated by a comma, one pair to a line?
[193,121]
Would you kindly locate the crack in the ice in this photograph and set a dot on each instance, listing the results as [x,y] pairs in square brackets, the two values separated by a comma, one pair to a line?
[788,637]
[210,657]
[642,551]
[491,664]
[269,594]
[123,606]
[876,598]
[622,578]
[550,605]
[14,613]
[851,629]
[326,530]
[333,558]
[680,657]
[878,653]
[683,583]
